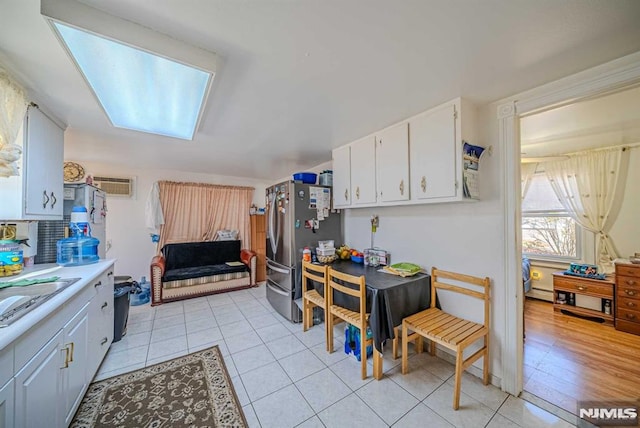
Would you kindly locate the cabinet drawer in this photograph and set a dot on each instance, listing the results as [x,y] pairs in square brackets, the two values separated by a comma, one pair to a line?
[628,281]
[628,270]
[630,304]
[628,291]
[629,327]
[583,287]
[628,315]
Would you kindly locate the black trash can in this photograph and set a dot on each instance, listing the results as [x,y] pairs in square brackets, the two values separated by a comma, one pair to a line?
[121,288]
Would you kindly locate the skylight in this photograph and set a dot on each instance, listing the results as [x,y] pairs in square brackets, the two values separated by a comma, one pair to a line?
[144,80]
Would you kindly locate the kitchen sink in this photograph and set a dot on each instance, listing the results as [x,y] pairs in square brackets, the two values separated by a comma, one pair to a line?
[18,301]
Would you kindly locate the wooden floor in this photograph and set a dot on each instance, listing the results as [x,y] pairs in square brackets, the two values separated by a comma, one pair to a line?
[568,359]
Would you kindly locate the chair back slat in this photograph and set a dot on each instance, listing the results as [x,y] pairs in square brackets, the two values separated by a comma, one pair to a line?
[437,275]
[351,285]
[309,271]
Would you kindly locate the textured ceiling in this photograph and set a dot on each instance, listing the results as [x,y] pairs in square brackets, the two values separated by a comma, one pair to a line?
[301,77]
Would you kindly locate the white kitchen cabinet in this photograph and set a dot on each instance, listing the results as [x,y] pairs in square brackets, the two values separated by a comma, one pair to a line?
[39,387]
[37,193]
[341,177]
[363,171]
[74,373]
[101,313]
[435,140]
[392,154]
[6,405]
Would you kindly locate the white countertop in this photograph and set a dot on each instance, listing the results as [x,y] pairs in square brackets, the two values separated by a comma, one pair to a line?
[86,272]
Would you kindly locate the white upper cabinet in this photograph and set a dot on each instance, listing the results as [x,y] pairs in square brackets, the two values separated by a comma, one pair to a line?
[433,139]
[37,193]
[393,163]
[342,177]
[416,161]
[363,171]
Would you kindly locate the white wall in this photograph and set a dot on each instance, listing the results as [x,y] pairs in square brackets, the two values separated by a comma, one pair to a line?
[466,237]
[126,231]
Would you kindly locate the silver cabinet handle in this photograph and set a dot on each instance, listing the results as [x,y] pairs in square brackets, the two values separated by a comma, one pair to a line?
[53,200]
[104,340]
[97,284]
[423,184]
[110,273]
[104,305]
[358,192]
[45,199]
[401,187]
[346,194]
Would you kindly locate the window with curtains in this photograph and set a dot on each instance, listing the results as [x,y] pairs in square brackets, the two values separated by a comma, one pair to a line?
[548,230]
[194,212]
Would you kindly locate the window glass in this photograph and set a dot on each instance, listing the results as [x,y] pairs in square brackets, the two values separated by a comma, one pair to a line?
[548,231]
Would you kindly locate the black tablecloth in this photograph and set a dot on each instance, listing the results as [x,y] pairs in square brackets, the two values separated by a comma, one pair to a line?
[390,298]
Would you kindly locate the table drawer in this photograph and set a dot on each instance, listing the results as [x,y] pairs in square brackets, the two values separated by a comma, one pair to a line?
[628,270]
[583,287]
[628,315]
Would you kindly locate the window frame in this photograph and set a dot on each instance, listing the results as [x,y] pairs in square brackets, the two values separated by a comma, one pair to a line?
[553,258]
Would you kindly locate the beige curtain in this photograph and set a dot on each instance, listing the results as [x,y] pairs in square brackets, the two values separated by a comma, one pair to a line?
[196,211]
[586,185]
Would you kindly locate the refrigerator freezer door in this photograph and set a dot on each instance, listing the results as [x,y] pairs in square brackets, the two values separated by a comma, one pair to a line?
[282,302]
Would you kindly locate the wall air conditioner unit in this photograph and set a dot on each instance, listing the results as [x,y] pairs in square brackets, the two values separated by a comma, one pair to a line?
[116,186]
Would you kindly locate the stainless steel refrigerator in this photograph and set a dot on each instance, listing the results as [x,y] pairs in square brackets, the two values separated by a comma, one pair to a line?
[298,215]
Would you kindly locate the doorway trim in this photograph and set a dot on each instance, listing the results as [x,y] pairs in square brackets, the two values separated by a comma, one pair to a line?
[610,77]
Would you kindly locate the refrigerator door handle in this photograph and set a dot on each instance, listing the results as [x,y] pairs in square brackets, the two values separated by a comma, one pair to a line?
[272,238]
[277,269]
[276,289]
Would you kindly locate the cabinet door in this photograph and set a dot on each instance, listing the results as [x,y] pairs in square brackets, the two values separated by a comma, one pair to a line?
[6,405]
[39,387]
[393,163]
[74,377]
[101,313]
[44,142]
[363,171]
[342,177]
[432,142]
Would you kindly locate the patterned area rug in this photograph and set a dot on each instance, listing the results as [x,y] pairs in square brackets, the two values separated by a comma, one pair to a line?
[190,391]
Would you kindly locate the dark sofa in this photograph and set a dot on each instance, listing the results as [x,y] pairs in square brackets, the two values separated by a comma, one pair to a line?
[193,269]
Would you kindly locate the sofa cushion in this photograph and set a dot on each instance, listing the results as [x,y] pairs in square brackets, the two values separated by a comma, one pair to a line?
[196,254]
[198,271]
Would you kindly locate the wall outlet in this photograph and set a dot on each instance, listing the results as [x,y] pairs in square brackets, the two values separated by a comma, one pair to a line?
[536,275]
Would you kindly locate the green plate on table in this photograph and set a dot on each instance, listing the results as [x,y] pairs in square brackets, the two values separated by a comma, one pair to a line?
[406,269]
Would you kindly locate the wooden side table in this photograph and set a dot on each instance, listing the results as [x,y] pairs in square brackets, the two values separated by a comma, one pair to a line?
[571,286]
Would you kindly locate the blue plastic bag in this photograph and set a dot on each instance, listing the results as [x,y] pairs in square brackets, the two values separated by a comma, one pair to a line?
[352,341]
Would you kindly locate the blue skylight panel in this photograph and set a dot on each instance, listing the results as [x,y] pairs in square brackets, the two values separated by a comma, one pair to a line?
[139,90]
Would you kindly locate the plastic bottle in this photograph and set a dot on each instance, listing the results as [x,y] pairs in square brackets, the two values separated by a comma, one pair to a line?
[306,254]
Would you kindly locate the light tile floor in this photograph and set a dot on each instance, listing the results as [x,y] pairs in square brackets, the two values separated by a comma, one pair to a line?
[285,378]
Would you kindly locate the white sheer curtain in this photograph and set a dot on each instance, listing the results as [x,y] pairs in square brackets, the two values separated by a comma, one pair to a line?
[586,185]
[13,106]
[526,171]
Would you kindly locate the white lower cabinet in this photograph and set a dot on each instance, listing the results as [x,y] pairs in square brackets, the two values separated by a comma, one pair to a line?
[6,405]
[39,387]
[74,372]
[48,387]
[100,321]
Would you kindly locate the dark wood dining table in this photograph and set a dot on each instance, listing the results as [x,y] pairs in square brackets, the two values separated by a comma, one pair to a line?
[390,298]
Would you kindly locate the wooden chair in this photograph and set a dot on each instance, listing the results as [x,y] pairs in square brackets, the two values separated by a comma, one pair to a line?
[310,297]
[450,331]
[353,286]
